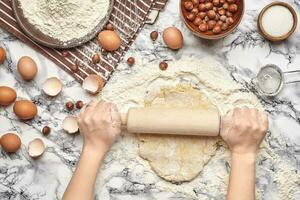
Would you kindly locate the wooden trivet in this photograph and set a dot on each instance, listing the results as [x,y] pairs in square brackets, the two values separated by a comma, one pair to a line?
[128,17]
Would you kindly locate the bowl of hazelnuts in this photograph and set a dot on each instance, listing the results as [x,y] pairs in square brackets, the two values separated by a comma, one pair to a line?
[212,19]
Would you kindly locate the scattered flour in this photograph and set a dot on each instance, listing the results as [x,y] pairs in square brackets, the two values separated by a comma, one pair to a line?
[129,88]
[287,181]
[65,19]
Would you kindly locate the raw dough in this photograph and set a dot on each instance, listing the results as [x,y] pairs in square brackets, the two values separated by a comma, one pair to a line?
[178,158]
[128,89]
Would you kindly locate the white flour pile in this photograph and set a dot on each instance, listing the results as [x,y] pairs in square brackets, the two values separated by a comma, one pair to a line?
[65,19]
[129,88]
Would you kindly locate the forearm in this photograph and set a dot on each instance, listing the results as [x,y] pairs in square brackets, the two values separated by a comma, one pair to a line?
[242,177]
[81,186]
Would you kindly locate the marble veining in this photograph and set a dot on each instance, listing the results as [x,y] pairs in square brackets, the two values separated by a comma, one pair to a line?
[242,53]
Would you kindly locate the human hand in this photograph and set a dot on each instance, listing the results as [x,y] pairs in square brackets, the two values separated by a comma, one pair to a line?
[243,129]
[100,124]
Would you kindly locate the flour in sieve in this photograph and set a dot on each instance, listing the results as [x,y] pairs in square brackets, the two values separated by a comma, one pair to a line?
[65,19]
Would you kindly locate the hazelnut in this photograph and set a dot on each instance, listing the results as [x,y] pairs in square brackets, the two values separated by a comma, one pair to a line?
[222,11]
[223,18]
[154,35]
[202,1]
[130,61]
[201,7]
[79,104]
[74,68]
[231,1]
[229,21]
[232,8]
[202,15]
[219,23]
[196,2]
[217,17]
[110,27]
[46,130]
[69,105]
[203,27]
[96,58]
[206,18]
[216,2]
[197,21]
[208,6]
[195,11]
[211,24]
[225,6]
[229,14]
[217,29]
[188,5]
[191,16]
[215,9]
[65,53]
[211,14]
[163,65]
[222,1]
[224,27]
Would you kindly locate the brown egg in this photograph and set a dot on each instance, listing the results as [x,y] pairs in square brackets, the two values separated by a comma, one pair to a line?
[27,68]
[173,38]
[10,142]
[2,55]
[7,95]
[109,40]
[25,109]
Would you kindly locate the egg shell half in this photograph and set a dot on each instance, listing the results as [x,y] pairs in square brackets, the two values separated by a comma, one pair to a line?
[93,84]
[36,148]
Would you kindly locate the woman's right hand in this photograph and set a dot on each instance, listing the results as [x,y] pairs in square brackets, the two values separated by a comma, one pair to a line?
[243,129]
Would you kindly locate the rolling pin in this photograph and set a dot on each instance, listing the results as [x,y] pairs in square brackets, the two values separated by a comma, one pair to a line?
[175,121]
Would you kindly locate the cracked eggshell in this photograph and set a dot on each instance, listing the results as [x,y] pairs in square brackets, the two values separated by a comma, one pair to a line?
[36,148]
[70,125]
[93,84]
[52,86]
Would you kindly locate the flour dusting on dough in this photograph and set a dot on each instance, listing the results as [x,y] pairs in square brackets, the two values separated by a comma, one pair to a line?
[129,88]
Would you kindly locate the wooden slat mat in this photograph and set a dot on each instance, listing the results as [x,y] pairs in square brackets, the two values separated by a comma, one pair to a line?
[128,18]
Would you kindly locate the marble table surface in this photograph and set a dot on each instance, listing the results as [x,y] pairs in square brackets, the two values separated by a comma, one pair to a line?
[243,53]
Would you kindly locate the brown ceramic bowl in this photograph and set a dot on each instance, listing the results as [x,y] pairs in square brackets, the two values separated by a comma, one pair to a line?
[209,35]
[284,37]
